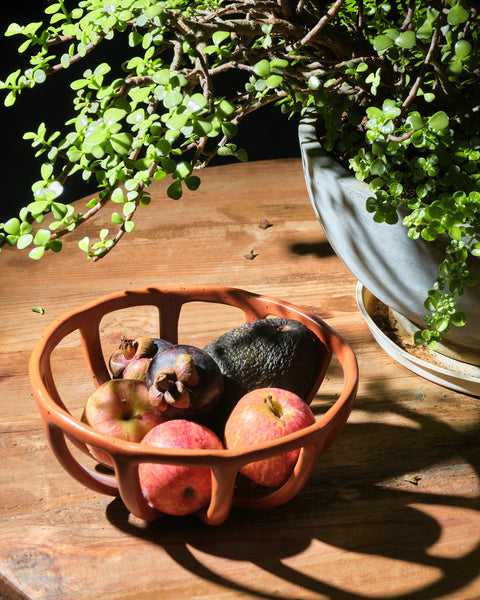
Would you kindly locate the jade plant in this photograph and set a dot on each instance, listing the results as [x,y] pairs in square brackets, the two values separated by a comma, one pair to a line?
[395,85]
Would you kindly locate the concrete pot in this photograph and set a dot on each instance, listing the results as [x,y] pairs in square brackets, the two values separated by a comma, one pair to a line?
[397,270]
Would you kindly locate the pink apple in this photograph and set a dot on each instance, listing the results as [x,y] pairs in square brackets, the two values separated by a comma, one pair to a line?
[263,415]
[120,408]
[178,489]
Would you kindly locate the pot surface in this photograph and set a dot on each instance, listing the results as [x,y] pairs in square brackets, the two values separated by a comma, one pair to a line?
[397,270]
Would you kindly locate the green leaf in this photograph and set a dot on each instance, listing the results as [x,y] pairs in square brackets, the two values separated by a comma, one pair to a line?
[154,11]
[163,147]
[459,318]
[439,120]
[455,232]
[377,167]
[225,109]
[382,43]
[418,338]
[192,182]
[202,127]
[24,241]
[455,67]
[10,99]
[415,121]
[278,63]
[96,137]
[274,81]
[42,237]
[425,31]
[36,253]
[229,129]
[183,169]
[462,49]
[407,39]
[241,155]
[174,190]
[113,115]
[457,15]
[172,99]
[162,77]
[116,219]
[37,309]
[13,29]
[177,121]
[59,210]
[122,143]
[55,245]
[197,102]
[262,68]
[429,234]
[38,207]
[12,226]
[432,301]
[84,244]
[39,76]
[139,94]
[442,323]
[219,36]
[226,150]
[78,84]
[129,208]
[390,109]
[117,196]
[129,226]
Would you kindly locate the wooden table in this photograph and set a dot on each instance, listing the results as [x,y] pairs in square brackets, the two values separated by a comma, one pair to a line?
[391,510]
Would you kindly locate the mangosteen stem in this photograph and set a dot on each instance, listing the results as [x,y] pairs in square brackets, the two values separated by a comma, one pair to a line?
[144,347]
[173,390]
[127,347]
[186,370]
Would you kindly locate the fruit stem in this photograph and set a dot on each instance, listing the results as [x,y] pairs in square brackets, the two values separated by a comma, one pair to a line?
[273,406]
[127,347]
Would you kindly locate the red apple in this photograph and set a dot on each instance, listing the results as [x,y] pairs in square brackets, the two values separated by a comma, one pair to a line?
[177,489]
[263,415]
[120,408]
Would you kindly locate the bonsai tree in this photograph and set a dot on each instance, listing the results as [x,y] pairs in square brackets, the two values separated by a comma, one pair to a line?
[395,84]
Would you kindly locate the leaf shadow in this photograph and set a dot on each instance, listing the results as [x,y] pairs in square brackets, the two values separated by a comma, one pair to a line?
[320,249]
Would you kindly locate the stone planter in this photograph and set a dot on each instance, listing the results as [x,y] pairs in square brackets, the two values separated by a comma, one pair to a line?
[397,270]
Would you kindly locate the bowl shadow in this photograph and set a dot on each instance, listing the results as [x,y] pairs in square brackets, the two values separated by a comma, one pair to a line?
[346,504]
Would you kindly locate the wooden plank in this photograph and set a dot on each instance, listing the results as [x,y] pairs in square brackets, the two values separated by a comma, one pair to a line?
[391,510]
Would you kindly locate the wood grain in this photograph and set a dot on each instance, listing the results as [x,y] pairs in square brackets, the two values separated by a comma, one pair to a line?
[391,510]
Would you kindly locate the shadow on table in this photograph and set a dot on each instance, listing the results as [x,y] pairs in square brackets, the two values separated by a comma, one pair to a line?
[350,503]
[320,249]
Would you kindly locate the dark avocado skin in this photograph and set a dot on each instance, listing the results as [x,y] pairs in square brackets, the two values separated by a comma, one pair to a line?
[271,352]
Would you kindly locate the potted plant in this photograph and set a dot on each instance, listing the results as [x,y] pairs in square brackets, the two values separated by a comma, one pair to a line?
[393,85]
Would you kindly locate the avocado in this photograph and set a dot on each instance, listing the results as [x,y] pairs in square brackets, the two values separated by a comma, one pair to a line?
[270,352]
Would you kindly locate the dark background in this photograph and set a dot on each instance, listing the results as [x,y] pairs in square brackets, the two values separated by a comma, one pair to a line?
[266,134]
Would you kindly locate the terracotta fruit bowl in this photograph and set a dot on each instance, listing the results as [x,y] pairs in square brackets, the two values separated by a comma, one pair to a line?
[63,429]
